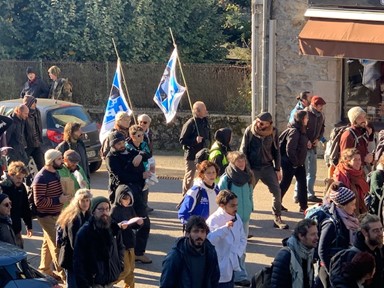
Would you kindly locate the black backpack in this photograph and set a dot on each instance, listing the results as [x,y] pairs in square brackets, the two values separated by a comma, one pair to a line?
[202,155]
[337,261]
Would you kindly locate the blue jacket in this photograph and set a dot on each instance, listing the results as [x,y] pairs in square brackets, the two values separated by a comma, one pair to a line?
[299,106]
[244,196]
[177,270]
[206,206]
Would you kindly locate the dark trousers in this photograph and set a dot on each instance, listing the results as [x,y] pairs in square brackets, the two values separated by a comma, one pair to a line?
[140,207]
[300,175]
[37,155]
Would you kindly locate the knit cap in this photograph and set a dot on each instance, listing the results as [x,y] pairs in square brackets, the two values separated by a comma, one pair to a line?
[115,137]
[51,155]
[28,100]
[97,200]
[30,70]
[354,113]
[264,116]
[317,100]
[3,197]
[342,196]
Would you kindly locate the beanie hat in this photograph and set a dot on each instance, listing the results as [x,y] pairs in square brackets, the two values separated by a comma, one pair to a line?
[51,155]
[317,100]
[342,196]
[354,113]
[121,115]
[72,156]
[29,100]
[97,200]
[115,137]
[3,197]
[223,135]
[30,70]
[264,116]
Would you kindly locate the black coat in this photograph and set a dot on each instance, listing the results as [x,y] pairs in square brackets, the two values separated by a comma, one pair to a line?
[16,139]
[189,133]
[20,205]
[98,255]
[6,231]
[36,88]
[295,148]
[33,129]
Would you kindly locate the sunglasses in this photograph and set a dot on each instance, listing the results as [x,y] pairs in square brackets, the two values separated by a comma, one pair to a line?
[144,122]
[9,204]
[138,135]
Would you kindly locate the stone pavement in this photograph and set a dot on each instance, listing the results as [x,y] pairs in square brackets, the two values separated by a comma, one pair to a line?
[165,227]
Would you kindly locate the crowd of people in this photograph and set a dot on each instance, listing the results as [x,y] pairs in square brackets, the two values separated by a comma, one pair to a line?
[95,241]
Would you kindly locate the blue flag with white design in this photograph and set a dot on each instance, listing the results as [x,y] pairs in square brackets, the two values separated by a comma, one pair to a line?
[169,92]
[116,103]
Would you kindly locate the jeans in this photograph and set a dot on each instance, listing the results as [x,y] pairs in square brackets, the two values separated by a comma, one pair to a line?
[311,168]
[241,275]
[229,284]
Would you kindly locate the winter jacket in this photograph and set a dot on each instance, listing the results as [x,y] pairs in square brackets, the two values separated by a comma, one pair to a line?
[295,145]
[218,155]
[230,243]
[252,146]
[120,213]
[5,123]
[348,140]
[98,255]
[205,207]
[189,133]
[65,173]
[244,197]
[20,205]
[33,129]
[299,106]
[143,150]
[332,239]
[16,139]
[376,191]
[62,91]
[6,231]
[80,148]
[315,126]
[177,266]
[36,88]
[68,242]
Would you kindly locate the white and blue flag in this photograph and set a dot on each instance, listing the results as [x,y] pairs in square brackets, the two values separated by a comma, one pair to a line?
[116,103]
[169,92]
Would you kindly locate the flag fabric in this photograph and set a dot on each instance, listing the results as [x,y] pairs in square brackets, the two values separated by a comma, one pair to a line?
[116,103]
[169,92]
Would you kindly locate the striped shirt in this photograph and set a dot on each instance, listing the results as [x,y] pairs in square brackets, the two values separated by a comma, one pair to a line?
[46,193]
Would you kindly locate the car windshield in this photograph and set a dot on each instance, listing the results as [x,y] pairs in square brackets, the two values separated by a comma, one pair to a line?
[59,117]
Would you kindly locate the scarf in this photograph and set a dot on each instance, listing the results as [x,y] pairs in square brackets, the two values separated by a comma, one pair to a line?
[351,222]
[299,252]
[263,133]
[6,219]
[237,176]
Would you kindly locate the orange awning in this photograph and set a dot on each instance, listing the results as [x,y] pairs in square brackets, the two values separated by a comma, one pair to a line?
[343,38]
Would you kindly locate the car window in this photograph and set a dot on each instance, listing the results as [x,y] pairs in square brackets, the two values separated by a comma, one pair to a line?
[59,117]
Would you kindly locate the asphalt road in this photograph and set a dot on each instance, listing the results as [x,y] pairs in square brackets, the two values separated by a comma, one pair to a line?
[165,227]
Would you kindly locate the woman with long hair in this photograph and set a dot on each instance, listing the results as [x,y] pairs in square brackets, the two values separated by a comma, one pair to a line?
[337,232]
[350,172]
[200,199]
[70,221]
[293,147]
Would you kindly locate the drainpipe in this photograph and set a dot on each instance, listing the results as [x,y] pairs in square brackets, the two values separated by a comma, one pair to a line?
[264,58]
[272,69]
[254,51]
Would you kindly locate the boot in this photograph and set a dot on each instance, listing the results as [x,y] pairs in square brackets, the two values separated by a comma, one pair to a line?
[278,223]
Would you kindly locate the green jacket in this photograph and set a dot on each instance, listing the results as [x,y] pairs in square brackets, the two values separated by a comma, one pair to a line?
[66,174]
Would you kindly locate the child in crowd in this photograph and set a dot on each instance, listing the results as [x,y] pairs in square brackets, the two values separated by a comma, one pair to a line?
[124,214]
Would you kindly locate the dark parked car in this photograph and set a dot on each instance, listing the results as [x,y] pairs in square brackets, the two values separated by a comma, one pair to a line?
[54,115]
[15,271]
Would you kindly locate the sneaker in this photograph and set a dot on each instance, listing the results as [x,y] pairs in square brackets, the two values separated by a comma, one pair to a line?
[144,259]
[315,199]
[278,223]
[283,208]
[243,283]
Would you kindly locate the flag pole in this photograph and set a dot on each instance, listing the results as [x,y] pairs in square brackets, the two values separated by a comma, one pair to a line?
[124,83]
[185,83]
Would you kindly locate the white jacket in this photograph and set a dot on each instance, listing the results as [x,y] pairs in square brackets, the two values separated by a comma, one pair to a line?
[230,243]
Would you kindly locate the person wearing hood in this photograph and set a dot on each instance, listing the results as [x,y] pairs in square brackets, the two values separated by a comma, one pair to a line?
[201,198]
[293,264]
[293,147]
[35,86]
[6,231]
[33,132]
[122,211]
[220,148]
[192,262]
[13,186]
[260,144]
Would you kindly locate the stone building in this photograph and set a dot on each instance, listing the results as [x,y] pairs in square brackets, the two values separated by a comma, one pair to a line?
[343,43]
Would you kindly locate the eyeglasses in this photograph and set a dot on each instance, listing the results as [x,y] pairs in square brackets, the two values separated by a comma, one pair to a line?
[8,204]
[144,122]
[103,209]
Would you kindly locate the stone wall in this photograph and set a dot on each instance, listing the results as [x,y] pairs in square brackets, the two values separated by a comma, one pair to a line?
[295,73]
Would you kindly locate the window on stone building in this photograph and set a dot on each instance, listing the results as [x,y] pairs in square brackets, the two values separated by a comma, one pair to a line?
[364,87]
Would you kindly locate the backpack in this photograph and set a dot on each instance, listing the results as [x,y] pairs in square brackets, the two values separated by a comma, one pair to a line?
[332,152]
[338,260]
[321,214]
[202,155]
[262,279]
